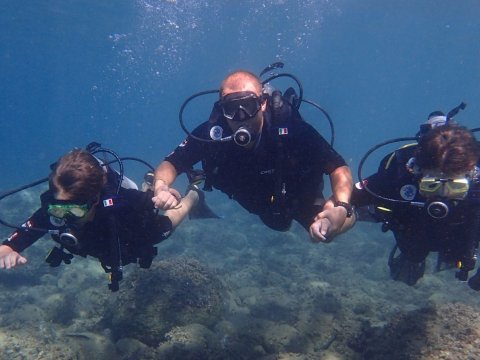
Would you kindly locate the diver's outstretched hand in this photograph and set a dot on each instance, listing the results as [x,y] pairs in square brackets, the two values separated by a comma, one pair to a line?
[9,258]
[166,198]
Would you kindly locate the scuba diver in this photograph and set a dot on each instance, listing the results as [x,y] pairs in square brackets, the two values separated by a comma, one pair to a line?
[91,209]
[257,149]
[428,195]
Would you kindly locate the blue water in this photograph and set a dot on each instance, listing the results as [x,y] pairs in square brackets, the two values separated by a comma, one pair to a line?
[117,71]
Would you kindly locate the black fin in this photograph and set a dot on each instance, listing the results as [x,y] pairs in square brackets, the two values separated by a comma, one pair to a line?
[401,269]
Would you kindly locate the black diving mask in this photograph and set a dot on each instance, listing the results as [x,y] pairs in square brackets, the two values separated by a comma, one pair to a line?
[240,106]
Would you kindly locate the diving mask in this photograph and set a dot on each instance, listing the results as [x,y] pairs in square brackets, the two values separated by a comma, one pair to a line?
[61,211]
[452,188]
[240,106]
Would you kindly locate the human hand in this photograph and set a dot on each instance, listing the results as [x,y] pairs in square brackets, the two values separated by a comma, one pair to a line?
[10,258]
[327,224]
[166,198]
[319,230]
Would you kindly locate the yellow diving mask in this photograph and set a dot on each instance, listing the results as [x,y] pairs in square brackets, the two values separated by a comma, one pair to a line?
[452,188]
[60,211]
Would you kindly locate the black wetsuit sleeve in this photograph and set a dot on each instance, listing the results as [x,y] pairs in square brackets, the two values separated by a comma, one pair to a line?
[157,227]
[19,240]
[190,151]
[319,150]
[136,201]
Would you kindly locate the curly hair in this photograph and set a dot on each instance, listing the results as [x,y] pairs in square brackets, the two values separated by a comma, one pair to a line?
[79,175]
[451,149]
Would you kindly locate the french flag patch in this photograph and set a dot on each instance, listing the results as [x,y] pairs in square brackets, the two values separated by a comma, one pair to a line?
[282,131]
[107,202]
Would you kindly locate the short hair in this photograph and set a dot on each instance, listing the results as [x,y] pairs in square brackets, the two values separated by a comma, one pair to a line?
[237,79]
[78,174]
[451,149]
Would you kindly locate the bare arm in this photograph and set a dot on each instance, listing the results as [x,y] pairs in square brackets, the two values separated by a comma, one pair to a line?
[333,220]
[178,214]
[165,197]
[166,173]
[342,184]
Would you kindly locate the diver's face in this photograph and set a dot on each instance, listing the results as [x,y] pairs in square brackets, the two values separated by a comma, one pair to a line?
[76,213]
[253,124]
[244,108]
[434,183]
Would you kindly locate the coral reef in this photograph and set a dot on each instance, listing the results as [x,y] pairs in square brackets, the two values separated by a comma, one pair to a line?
[171,293]
[239,291]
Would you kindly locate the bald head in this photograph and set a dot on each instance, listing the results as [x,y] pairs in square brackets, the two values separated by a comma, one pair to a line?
[241,81]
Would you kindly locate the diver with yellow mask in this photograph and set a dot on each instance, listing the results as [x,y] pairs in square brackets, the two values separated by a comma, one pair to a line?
[428,195]
[91,209]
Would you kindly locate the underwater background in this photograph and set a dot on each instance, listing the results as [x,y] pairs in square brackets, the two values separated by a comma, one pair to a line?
[117,72]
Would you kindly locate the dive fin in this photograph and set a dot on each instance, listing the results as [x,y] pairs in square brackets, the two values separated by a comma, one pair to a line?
[404,270]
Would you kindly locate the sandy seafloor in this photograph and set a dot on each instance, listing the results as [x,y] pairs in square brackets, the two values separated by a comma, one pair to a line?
[233,289]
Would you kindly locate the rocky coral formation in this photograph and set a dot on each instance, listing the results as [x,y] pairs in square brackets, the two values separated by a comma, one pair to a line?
[171,293]
[437,332]
[46,341]
[244,293]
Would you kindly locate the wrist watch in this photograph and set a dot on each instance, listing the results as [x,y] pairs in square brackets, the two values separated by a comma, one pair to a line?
[347,207]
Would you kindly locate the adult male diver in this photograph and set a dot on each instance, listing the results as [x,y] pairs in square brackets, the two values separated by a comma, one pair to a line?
[93,210]
[272,168]
[428,195]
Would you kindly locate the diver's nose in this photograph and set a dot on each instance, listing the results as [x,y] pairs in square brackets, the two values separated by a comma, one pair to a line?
[241,115]
[443,191]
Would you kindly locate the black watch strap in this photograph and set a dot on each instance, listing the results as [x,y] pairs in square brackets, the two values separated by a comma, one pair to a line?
[347,207]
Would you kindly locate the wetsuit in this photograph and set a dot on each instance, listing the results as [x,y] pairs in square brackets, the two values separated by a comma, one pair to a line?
[137,226]
[455,237]
[280,179]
